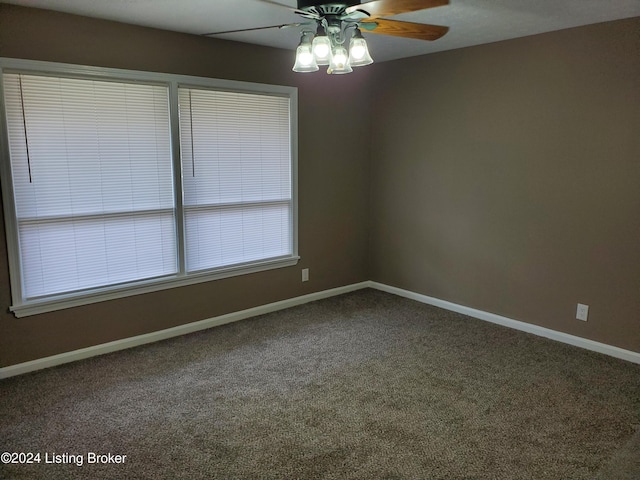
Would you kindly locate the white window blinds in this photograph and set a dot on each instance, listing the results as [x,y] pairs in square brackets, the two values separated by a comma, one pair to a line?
[236,168]
[92,181]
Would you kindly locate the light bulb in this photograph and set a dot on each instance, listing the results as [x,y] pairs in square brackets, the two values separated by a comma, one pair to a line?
[339,61]
[305,58]
[358,51]
[321,50]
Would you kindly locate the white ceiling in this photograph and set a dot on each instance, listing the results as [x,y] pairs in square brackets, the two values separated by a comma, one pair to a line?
[471,22]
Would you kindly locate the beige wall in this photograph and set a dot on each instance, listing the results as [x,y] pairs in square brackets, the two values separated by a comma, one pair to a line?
[502,177]
[506,177]
[333,185]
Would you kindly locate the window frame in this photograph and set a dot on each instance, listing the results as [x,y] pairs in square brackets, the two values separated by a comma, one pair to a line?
[24,307]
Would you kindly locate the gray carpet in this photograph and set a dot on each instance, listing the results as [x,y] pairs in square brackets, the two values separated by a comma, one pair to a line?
[362,386]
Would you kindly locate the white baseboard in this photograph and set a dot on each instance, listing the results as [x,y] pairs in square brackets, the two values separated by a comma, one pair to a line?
[515,324]
[125,343]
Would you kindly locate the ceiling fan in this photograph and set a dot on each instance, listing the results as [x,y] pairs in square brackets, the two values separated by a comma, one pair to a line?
[324,45]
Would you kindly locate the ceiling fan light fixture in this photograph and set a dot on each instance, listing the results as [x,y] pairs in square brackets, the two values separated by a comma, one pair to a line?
[358,50]
[333,19]
[339,61]
[305,60]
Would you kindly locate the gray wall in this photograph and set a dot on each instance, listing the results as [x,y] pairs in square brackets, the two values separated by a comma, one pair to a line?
[333,185]
[506,177]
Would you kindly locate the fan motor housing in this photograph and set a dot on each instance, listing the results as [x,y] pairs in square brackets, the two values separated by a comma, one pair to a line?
[324,7]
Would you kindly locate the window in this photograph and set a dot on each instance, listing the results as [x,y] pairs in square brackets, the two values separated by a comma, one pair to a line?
[92,182]
[119,182]
[237,189]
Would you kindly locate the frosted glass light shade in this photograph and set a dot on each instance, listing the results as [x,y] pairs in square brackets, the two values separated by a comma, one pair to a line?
[305,60]
[359,53]
[321,46]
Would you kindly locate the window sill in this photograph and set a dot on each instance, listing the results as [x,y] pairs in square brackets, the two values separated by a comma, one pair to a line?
[60,302]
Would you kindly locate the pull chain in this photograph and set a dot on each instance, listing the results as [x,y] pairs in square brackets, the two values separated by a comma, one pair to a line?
[24,123]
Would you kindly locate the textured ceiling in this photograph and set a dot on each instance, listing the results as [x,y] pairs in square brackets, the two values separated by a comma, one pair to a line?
[471,22]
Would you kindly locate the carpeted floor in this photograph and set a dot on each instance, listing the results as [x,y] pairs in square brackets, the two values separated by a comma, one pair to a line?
[361,386]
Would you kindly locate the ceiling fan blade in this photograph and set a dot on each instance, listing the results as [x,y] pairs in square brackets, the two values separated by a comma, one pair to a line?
[354,16]
[397,28]
[295,10]
[286,25]
[387,8]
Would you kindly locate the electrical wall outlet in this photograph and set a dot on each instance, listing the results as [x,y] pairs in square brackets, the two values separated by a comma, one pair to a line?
[582,312]
[305,274]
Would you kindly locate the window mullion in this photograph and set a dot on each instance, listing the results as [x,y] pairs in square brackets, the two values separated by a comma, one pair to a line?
[174,120]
